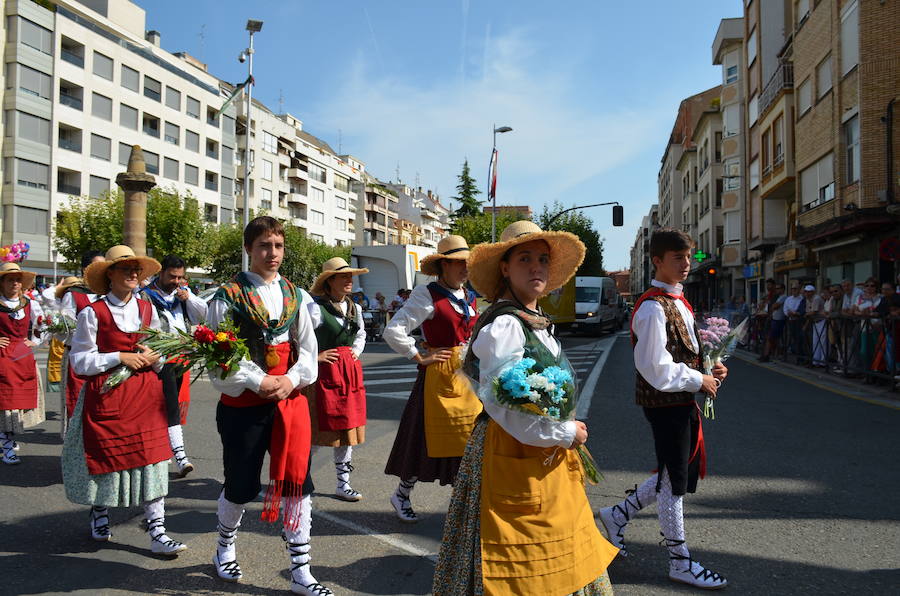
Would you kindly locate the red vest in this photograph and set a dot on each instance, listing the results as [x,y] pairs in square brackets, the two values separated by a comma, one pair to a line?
[18,375]
[447,328]
[75,382]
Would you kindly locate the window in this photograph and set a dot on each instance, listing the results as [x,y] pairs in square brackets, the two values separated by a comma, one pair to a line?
[227,155]
[98,186]
[224,215]
[191,174]
[192,107]
[340,224]
[341,183]
[270,142]
[151,125]
[70,138]
[733,226]
[173,133]
[754,174]
[317,217]
[128,117]
[131,79]
[32,174]
[316,172]
[227,188]
[31,221]
[751,48]
[211,117]
[152,161]
[192,141]
[778,141]
[731,120]
[316,194]
[823,77]
[227,125]
[265,199]
[103,66]
[34,82]
[101,147]
[211,180]
[802,11]
[68,182]
[730,67]
[71,51]
[209,212]
[731,74]
[851,136]
[32,128]
[101,106]
[340,202]
[753,110]
[212,149]
[266,169]
[718,147]
[849,37]
[804,96]
[124,153]
[35,36]
[317,238]
[173,98]
[170,168]
[152,88]
[817,183]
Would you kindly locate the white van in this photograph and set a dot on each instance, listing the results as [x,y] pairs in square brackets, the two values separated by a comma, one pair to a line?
[597,304]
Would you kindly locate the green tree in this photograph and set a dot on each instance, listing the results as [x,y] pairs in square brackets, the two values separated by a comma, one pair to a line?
[582,226]
[477,228]
[467,194]
[88,224]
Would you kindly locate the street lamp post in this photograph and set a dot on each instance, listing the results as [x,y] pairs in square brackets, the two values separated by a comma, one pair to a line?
[491,170]
[253,27]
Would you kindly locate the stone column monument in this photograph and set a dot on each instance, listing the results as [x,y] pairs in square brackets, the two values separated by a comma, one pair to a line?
[136,183]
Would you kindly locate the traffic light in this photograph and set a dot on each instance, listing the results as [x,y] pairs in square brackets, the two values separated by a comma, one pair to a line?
[711,271]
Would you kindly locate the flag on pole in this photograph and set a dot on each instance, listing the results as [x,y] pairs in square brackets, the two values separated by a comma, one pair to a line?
[240,87]
[492,192]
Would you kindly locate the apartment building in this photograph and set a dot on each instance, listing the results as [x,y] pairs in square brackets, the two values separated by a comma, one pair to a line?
[641,268]
[83,83]
[419,212]
[377,205]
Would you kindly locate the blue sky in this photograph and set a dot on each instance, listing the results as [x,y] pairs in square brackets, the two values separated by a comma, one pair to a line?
[590,87]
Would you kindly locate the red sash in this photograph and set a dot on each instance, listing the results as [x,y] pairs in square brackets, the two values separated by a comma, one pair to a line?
[74,382]
[18,375]
[184,397]
[654,291]
[127,427]
[340,393]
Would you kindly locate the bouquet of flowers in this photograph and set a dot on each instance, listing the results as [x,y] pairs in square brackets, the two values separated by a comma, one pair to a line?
[219,351]
[549,392]
[55,323]
[15,252]
[719,341]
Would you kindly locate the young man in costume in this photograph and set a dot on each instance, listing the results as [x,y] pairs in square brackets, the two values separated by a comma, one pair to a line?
[668,356]
[261,408]
[178,308]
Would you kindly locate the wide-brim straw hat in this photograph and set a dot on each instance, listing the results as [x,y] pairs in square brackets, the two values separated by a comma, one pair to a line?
[65,284]
[566,255]
[451,248]
[330,268]
[27,276]
[95,274]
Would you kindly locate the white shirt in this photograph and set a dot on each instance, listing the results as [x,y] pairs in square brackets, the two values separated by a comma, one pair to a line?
[651,358]
[418,309]
[359,342]
[36,311]
[792,304]
[85,358]
[249,375]
[48,297]
[500,344]
[68,303]
[196,308]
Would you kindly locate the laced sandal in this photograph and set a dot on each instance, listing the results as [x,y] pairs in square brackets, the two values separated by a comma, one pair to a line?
[695,574]
[9,447]
[229,571]
[344,491]
[296,551]
[185,467]
[403,508]
[614,530]
[10,458]
[160,543]
[100,524]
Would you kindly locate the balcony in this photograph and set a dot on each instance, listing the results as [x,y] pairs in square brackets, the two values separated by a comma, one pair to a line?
[297,198]
[71,101]
[70,144]
[297,173]
[69,189]
[781,80]
[72,58]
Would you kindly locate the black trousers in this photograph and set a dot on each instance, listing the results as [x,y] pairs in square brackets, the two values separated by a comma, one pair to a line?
[245,434]
[171,387]
[675,433]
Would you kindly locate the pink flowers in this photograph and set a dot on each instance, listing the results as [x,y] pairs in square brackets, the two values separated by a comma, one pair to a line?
[714,333]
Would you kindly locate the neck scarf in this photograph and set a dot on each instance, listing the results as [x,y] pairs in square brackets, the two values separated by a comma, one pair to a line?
[154,293]
[244,299]
[22,303]
[328,304]
[462,303]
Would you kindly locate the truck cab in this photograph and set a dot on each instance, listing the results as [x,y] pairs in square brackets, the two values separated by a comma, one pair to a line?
[597,305]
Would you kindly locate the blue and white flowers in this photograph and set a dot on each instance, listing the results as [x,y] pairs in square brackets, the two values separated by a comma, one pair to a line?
[521,384]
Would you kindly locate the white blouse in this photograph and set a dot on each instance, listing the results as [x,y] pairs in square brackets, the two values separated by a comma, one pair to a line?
[194,307]
[359,342]
[68,303]
[500,344]
[249,375]
[417,309]
[651,358]
[36,311]
[85,358]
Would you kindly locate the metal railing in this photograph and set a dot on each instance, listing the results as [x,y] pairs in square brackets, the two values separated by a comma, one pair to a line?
[783,78]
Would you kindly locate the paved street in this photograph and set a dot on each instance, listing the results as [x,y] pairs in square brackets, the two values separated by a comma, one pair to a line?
[801,498]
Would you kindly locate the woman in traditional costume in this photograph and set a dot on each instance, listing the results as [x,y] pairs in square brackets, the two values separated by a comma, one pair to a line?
[21,394]
[442,408]
[337,401]
[519,520]
[116,450]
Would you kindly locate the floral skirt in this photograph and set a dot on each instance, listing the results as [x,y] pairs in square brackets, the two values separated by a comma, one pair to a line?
[126,488]
[16,421]
[458,571]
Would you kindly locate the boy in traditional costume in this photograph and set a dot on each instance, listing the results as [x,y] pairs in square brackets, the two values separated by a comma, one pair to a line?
[668,356]
[519,520]
[178,308]
[261,408]
[442,408]
[337,401]
[21,394]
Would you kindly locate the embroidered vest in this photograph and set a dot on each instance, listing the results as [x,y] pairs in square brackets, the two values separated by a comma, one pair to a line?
[679,345]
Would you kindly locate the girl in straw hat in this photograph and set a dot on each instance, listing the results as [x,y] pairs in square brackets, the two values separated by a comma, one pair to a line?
[117,449]
[337,401]
[21,394]
[441,409]
[519,520]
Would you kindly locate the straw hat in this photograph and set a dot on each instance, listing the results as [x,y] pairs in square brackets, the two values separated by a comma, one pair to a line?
[566,255]
[332,267]
[95,274]
[27,276]
[67,283]
[452,248]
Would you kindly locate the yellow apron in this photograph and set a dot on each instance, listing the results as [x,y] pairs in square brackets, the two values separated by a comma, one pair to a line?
[54,361]
[451,407]
[538,534]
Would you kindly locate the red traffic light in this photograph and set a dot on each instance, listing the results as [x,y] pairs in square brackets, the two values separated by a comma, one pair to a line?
[711,271]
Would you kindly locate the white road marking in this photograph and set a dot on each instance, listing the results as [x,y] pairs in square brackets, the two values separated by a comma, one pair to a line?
[393,381]
[387,539]
[390,394]
[587,391]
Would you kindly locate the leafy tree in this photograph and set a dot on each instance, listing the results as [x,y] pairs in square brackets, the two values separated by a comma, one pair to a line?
[467,194]
[88,224]
[477,228]
[582,226]
[175,225]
